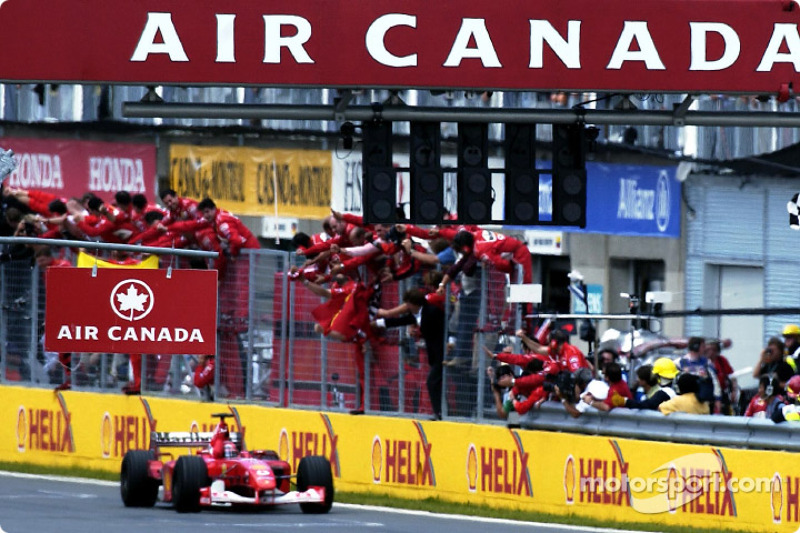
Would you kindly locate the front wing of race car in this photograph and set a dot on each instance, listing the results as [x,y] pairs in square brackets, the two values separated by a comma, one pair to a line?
[216,495]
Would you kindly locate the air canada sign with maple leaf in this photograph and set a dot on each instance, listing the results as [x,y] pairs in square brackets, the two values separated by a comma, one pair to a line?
[131,311]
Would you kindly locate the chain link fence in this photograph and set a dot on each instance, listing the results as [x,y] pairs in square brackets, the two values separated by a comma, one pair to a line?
[268,350]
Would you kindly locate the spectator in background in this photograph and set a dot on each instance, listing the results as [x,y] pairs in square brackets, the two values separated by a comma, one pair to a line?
[729,387]
[140,208]
[528,390]
[770,358]
[788,410]
[459,364]
[791,339]
[204,376]
[687,400]
[219,228]
[656,381]
[618,390]
[503,404]
[606,355]
[231,232]
[696,363]
[179,208]
[440,252]
[108,223]
[569,357]
[418,310]
[591,393]
[766,400]
[122,201]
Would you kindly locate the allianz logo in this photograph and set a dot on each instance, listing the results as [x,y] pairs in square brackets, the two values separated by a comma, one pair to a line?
[636,203]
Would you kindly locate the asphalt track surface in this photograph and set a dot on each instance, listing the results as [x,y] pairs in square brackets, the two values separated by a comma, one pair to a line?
[30,503]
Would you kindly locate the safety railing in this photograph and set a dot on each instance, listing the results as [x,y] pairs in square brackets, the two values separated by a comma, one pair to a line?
[739,432]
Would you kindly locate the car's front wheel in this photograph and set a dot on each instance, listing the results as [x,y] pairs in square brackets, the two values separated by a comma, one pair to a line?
[136,486]
[191,474]
[315,471]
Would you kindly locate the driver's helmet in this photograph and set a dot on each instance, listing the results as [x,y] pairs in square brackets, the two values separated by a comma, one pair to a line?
[229,450]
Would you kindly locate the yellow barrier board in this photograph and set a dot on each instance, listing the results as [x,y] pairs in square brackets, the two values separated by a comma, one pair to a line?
[619,480]
[250,181]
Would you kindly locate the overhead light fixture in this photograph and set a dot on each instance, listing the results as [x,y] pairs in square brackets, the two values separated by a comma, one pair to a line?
[152,96]
[625,104]
[347,130]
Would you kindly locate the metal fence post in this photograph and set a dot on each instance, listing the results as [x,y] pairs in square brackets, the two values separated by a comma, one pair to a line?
[286,387]
[287,327]
[217,358]
[367,384]
[479,342]
[324,386]
[251,301]
[33,347]
[3,322]
[447,317]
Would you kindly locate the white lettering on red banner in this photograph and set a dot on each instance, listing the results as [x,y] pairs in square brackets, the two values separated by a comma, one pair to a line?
[131,311]
[37,171]
[69,168]
[116,174]
[670,45]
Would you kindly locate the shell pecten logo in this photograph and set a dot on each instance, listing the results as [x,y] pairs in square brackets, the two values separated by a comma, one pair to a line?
[106,435]
[377,458]
[569,480]
[776,497]
[472,468]
[283,445]
[22,429]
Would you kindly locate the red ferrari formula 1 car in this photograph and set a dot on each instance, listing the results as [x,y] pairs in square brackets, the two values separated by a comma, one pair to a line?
[221,473]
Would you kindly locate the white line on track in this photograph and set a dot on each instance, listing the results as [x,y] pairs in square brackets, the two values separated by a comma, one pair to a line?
[565,527]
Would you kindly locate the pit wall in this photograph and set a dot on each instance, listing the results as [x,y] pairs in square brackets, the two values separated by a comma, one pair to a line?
[619,480]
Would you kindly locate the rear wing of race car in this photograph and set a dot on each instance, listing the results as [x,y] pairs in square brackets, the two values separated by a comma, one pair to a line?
[189,439]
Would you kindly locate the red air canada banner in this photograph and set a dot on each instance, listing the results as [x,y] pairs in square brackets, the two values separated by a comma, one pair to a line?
[69,168]
[131,311]
[646,45]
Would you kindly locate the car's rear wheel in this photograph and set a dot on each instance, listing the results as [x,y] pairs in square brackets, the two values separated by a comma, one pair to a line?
[191,474]
[137,488]
[315,471]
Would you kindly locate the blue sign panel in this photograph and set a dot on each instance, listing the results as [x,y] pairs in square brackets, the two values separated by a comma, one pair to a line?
[624,200]
[594,296]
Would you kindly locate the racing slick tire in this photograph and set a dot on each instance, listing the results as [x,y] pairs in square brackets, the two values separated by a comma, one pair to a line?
[137,488]
[191,474]
[315,471]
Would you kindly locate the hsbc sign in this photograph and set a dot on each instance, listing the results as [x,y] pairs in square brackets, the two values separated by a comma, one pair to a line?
[131,311]
[749,46]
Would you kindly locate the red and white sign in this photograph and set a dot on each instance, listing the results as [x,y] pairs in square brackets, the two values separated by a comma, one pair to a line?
[748,46]
[69,168]
[131,311]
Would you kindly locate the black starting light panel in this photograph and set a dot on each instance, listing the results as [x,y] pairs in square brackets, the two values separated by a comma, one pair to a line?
[475,195]
[426,176]
[379,175]
[522,178]
[569,175]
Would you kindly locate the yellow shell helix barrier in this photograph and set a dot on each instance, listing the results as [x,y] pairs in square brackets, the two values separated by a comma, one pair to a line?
[620,480]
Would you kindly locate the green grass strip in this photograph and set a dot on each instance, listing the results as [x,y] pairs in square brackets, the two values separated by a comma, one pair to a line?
[432,505]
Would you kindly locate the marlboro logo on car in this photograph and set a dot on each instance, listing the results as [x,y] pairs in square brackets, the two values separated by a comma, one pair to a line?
[131,311]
